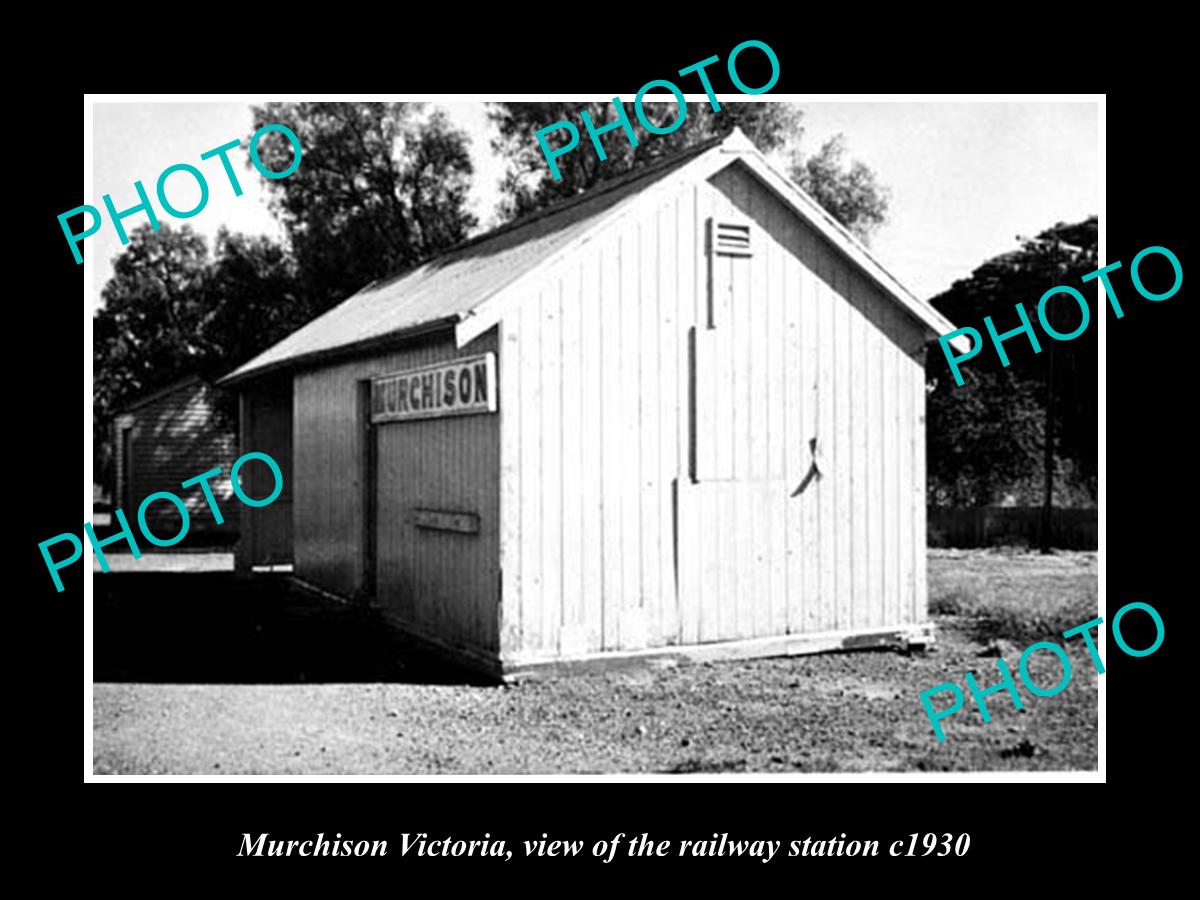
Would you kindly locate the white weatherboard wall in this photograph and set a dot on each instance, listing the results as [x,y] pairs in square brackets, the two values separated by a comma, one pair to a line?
[596,439]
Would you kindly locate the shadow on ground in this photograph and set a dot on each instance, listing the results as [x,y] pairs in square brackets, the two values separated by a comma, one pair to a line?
[216,628]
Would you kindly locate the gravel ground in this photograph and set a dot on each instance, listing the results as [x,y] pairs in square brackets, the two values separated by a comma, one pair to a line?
[833,712]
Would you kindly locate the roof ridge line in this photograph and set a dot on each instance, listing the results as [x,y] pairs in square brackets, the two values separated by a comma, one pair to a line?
[600,189]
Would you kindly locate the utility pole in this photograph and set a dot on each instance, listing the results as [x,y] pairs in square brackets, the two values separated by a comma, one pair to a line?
[1046,530]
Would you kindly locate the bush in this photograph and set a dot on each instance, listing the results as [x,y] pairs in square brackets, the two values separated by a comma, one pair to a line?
[947,604]
[1020,597]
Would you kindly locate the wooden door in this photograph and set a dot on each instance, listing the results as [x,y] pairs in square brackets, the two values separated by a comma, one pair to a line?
[732,515]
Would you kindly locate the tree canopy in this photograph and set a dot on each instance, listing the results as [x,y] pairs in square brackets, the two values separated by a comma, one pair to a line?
[171,309]
[849,191]
[381,186]
[986,437]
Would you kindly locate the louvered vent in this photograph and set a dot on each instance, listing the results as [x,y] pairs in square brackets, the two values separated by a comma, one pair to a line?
[731,238]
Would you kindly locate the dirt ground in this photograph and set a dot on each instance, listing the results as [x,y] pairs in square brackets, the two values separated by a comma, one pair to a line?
[253,688]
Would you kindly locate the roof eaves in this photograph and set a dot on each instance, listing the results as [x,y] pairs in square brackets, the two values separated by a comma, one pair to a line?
[305,360]
[488,312]
[158,393]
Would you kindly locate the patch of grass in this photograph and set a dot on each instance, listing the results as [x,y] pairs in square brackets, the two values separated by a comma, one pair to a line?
[1024,628]
[1021,597]
[948,604]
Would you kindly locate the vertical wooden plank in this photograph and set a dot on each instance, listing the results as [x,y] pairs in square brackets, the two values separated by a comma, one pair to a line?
[651,264]
[612,437]
[591,439]
[742,375]
[690,561]
[701,375]
[531,468]
[729,547]
[883,446]
[669,400]
[551,471]
[741,572]
[733,423]
[827,416]
[903,473]
[741,367]
[745,573]
[757,302]
[707,377]
[691,285]
[303,498]
[909,465]
[903,469]
[336,395]
[510,485]
[690,604]
[905,465]
[722,340]
[701,440]
[872,612]
[714,583]
[777,417]
[806,382]
[791,435]
[860,426]
[572,638]
[629,406]
[890,377]
[368,489]
[777,336]
[736,372]
[842,458]
[758,514]
[920,608]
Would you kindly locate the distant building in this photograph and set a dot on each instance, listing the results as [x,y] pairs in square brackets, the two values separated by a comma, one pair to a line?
[165,438]
[681,413]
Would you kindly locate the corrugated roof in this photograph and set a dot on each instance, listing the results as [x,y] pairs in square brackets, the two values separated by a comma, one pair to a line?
[443,291]
[447,287]
[150,396]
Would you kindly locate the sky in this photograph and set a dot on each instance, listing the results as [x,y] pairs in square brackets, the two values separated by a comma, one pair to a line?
[965,179]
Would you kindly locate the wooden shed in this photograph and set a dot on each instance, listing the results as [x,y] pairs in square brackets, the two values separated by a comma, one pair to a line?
[681,413]
[169,436]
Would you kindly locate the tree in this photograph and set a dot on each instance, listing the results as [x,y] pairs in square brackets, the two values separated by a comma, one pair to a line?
[851,194]
[380,187]
[984,438]
[253,299]
[147,333]
[171,310]
[987,438]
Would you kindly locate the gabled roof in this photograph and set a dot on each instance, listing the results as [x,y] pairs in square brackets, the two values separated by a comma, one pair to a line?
[447,288]
[469,287]
[158,393]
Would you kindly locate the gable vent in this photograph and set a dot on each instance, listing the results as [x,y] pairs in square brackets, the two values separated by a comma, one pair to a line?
[731,238]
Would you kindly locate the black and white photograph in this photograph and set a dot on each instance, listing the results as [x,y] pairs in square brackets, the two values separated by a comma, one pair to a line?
[467,436]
